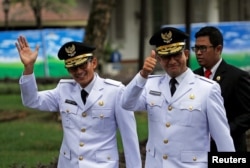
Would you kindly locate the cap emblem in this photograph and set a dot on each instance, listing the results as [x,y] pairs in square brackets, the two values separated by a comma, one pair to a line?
[167,37]
[71,50]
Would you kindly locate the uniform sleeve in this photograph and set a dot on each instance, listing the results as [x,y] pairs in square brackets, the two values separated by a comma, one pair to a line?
[133,95]
[32,98]
[217,120]
[128,130]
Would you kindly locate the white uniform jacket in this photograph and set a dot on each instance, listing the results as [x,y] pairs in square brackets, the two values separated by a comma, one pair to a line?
[89,139]
[180,126]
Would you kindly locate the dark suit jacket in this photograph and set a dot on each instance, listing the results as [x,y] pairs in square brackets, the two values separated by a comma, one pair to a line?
[235,89]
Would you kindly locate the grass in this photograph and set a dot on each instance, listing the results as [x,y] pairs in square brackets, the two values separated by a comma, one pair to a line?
[35,137]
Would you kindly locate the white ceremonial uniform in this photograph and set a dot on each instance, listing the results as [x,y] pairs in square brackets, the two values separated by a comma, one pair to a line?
[180,126]
[89,131]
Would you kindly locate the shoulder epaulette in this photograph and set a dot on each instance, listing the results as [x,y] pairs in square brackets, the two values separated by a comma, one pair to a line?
[113,82]
[204,79]
[67,81]
[154,76]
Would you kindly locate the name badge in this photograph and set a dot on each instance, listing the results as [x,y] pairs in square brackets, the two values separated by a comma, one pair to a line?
[70,102]
[156,93]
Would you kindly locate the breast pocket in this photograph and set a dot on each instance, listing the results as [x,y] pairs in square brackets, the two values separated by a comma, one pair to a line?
[154,108]
[103,120]
[190,114]
[68,114]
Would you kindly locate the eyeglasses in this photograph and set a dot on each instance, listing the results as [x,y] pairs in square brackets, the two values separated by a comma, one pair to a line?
[202,48]
[81,66]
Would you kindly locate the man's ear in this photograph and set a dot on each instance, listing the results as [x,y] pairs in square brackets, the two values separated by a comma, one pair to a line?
[94,62]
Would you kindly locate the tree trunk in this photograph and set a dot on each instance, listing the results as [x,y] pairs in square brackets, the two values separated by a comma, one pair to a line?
[98,24]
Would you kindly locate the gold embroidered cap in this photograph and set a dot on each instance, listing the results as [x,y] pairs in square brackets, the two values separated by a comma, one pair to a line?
[75,53]
[168,41]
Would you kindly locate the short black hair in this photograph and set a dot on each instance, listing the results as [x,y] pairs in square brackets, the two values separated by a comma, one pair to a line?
[214,34]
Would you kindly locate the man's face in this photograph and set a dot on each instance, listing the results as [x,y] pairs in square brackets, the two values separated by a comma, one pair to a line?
[207,55]
[174,64]
[84,73]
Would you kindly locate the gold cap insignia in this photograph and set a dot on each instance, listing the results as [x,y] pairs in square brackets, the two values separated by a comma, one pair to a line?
[167,37]
[71,50]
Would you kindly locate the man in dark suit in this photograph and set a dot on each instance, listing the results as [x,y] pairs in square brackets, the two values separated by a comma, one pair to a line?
[234,83]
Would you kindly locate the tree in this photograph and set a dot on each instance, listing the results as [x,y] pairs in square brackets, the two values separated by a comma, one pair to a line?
[98,24]
[56,6]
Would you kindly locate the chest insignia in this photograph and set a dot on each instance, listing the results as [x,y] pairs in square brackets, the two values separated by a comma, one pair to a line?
[70,102]
[156,93]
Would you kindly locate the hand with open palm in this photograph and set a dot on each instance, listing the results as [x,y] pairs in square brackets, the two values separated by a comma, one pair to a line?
[27,56]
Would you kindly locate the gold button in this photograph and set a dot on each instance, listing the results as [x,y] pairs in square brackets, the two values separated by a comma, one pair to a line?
[191,96]
[80,157]
[81,144]
[84,114]
[152,103]
[165,157]
[190,108]
[108,157]
[165,141]
[101,103]
[170,108]
[83,130]
[194,158]
[168,124]
[101,116]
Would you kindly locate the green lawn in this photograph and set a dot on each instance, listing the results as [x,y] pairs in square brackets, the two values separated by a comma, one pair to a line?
[36,136]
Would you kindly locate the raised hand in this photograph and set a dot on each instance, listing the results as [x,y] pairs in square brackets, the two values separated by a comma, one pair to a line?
[27,56]
[149,65]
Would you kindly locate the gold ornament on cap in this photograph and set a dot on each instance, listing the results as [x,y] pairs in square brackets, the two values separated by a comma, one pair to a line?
[71,50]
[167,37]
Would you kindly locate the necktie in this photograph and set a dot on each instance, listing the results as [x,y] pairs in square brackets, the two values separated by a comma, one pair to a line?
[173,81]
[84,95]
[208,73]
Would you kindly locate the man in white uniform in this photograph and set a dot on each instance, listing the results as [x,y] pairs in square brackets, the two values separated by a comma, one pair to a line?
[89,107]
[184,109]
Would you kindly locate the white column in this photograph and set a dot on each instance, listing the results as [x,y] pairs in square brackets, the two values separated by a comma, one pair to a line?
[213,11]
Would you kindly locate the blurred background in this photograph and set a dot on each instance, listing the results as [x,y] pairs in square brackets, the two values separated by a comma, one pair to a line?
[120,29]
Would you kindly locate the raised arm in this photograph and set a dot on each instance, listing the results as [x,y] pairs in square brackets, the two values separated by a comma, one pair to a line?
[27,56]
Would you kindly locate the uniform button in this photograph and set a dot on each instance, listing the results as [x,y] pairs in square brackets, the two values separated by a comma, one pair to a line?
[190,108]
[84,114]
[194,158]
[64,153]
[108,157]
[83,130]
[101,103]
[165,141]
[67,110]
[168,124]
[165,157]
[101,116]
[170,108]
[152,103]
[80,158]
[81,144]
